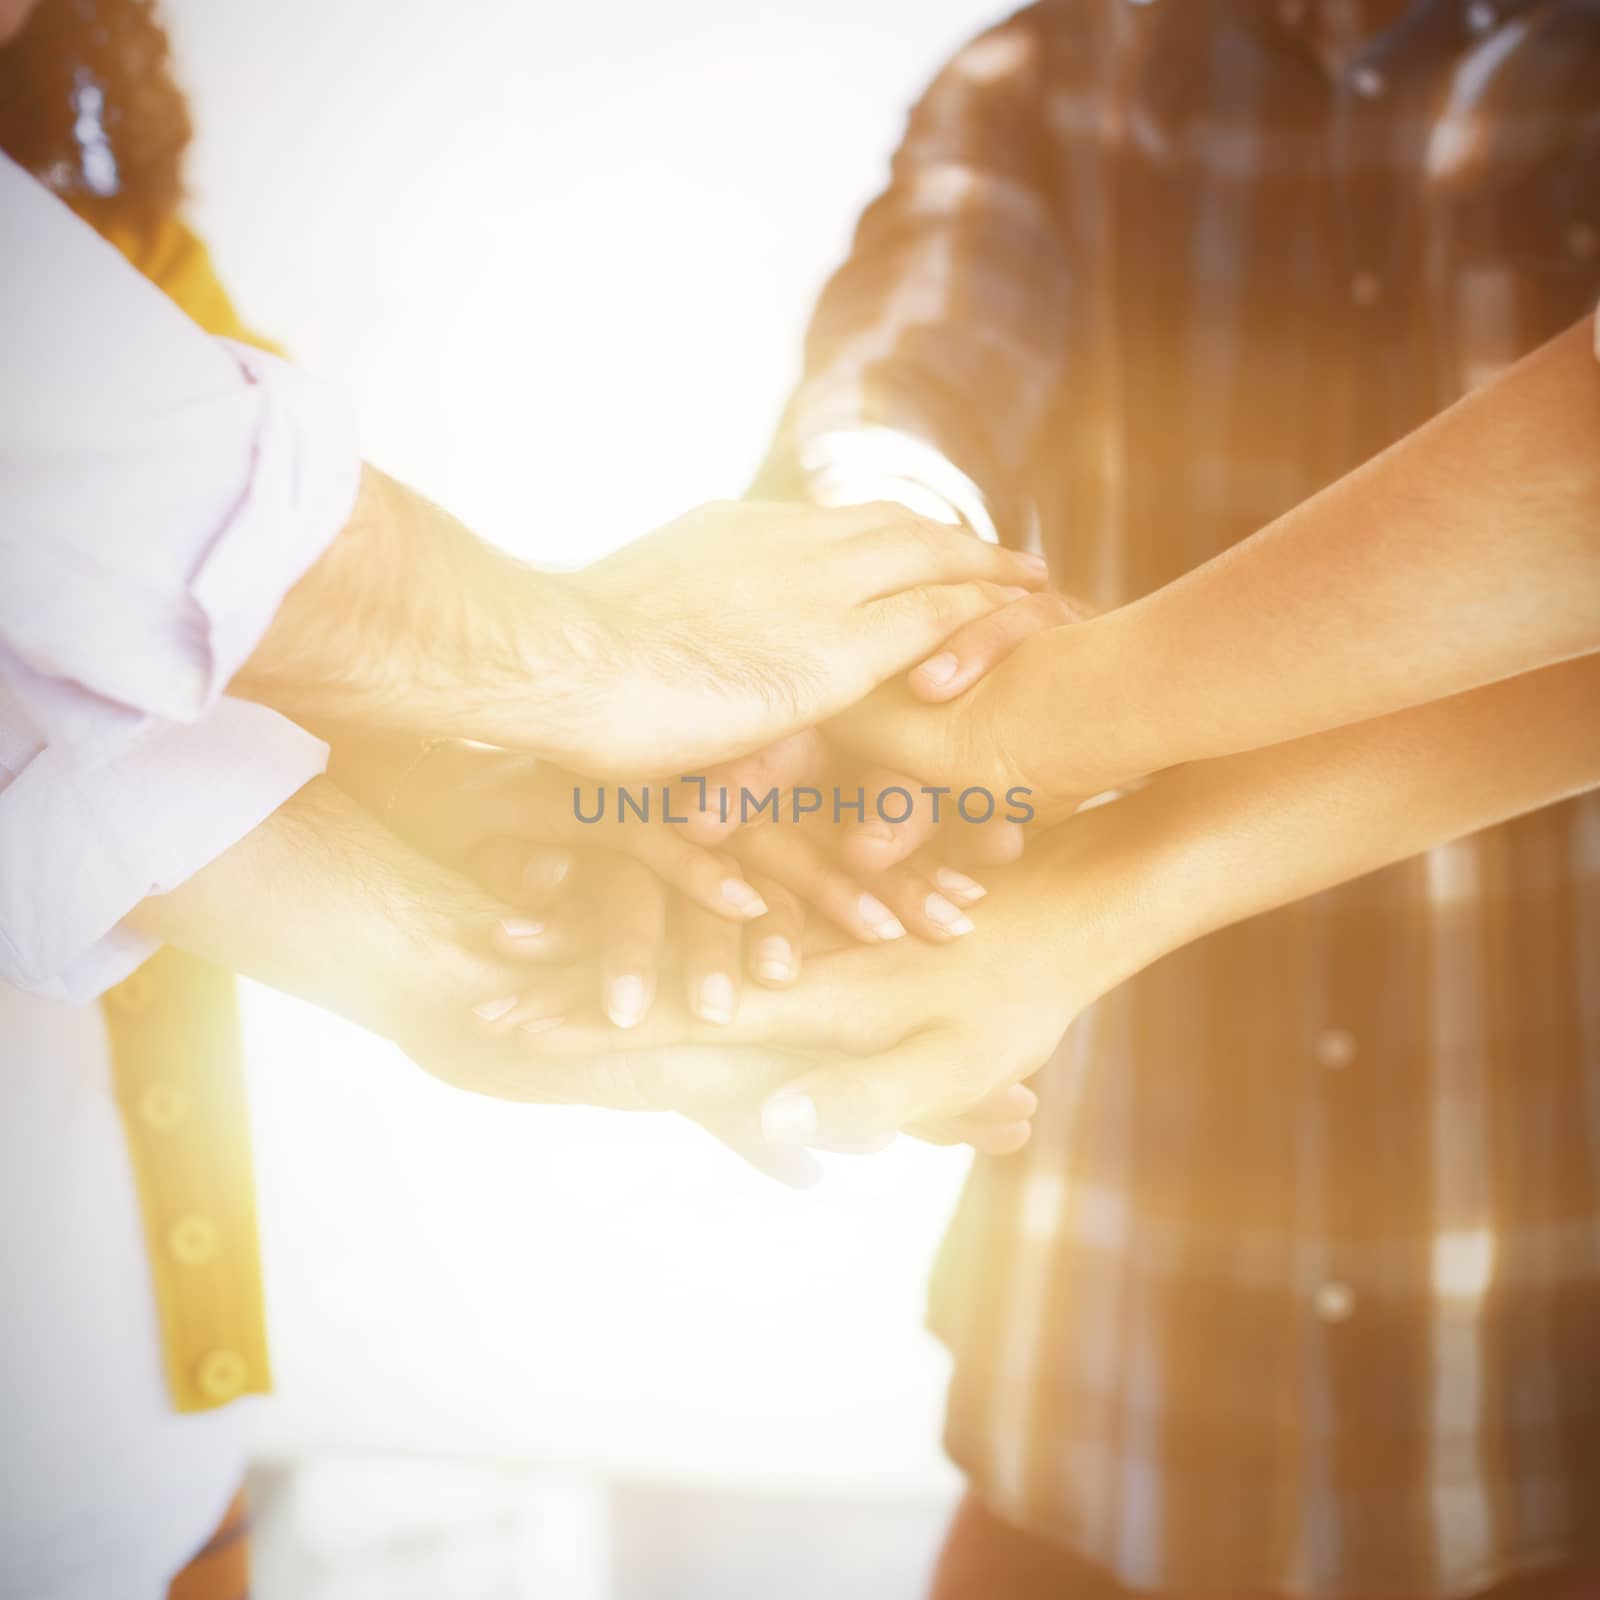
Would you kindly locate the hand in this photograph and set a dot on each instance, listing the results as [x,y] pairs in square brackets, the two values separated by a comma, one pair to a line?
[999,733]
[323,902]
[734,626]
[907,848]
[916,1038]
[743,622]
[977,649]
[404,947]
[513,824]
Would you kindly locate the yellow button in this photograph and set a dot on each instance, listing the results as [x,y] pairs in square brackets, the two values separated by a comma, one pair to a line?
[221,1375]
[131,996]
[163,1106]
[192,1240]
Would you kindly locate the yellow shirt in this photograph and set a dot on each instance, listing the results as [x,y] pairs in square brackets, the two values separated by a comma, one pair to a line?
[176,1062]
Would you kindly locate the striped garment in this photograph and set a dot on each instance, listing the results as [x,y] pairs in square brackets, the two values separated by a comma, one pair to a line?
[1298,1286]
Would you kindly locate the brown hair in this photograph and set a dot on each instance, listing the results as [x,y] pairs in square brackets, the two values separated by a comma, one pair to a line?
[89,104]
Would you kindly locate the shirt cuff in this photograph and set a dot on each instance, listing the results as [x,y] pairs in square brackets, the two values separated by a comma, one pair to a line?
[302,489]
[83,844]
[205,521]
[852,466]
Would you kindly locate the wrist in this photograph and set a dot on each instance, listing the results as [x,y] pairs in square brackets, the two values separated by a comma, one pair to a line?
[1086,715]
[411,625]
[1117,883]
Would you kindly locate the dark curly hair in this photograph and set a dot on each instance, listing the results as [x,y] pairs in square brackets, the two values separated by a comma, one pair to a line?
[89,103]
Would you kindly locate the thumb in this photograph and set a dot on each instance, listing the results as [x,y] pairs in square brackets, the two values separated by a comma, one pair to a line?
[863,1098]
[783,1163]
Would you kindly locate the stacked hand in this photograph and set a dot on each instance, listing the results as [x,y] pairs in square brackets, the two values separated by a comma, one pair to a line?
[462,693]
[610,902]
[599,914]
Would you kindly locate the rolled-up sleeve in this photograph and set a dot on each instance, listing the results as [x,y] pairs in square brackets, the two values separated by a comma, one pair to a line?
[160,493]
[162,490]
[84,841]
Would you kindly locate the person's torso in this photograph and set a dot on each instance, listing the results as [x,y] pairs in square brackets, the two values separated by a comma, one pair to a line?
[1309,1230]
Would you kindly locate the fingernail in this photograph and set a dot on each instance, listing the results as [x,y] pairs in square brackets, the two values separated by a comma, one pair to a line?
[541,1024]
[543,873]
[1019,1102]
[1034,563]
[959,884]
[625,1000]
[716,997]
[775,960]
[743,898]
[1010,593]
[940,668]
[789,1119]
[520,928]
[880,918]
[949,917]
[493,1010]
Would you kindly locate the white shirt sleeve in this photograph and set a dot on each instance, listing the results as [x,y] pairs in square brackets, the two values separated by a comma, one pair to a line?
[160,492]
[82,843]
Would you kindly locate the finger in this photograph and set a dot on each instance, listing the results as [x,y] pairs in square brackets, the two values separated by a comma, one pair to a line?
[915,1081]
[543,1006]
[910,553]
[982,645]
[795,860]
[802,758]
[987,1138]
[613,1072]
[911,626]
[925,910]
[532,876]
[999,1124]
[630,909]
[546,874]
[950,881]
[1016,1102]
[824,1010]
[900,818]
[787,1164]
[994,843]
[709,878]
[712,963]
[872,1145]
[533,939]
[773,942]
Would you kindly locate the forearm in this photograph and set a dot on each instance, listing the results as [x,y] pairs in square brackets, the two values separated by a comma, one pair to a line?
[323,902]
[411,624]
[1467,553]
[1209,845]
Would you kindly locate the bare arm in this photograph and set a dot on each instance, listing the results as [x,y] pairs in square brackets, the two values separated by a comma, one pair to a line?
[1467,553]
[924,1034]
[687,646]
[322,902]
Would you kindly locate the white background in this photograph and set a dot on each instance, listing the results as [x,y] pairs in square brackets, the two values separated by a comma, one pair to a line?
[560,257]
